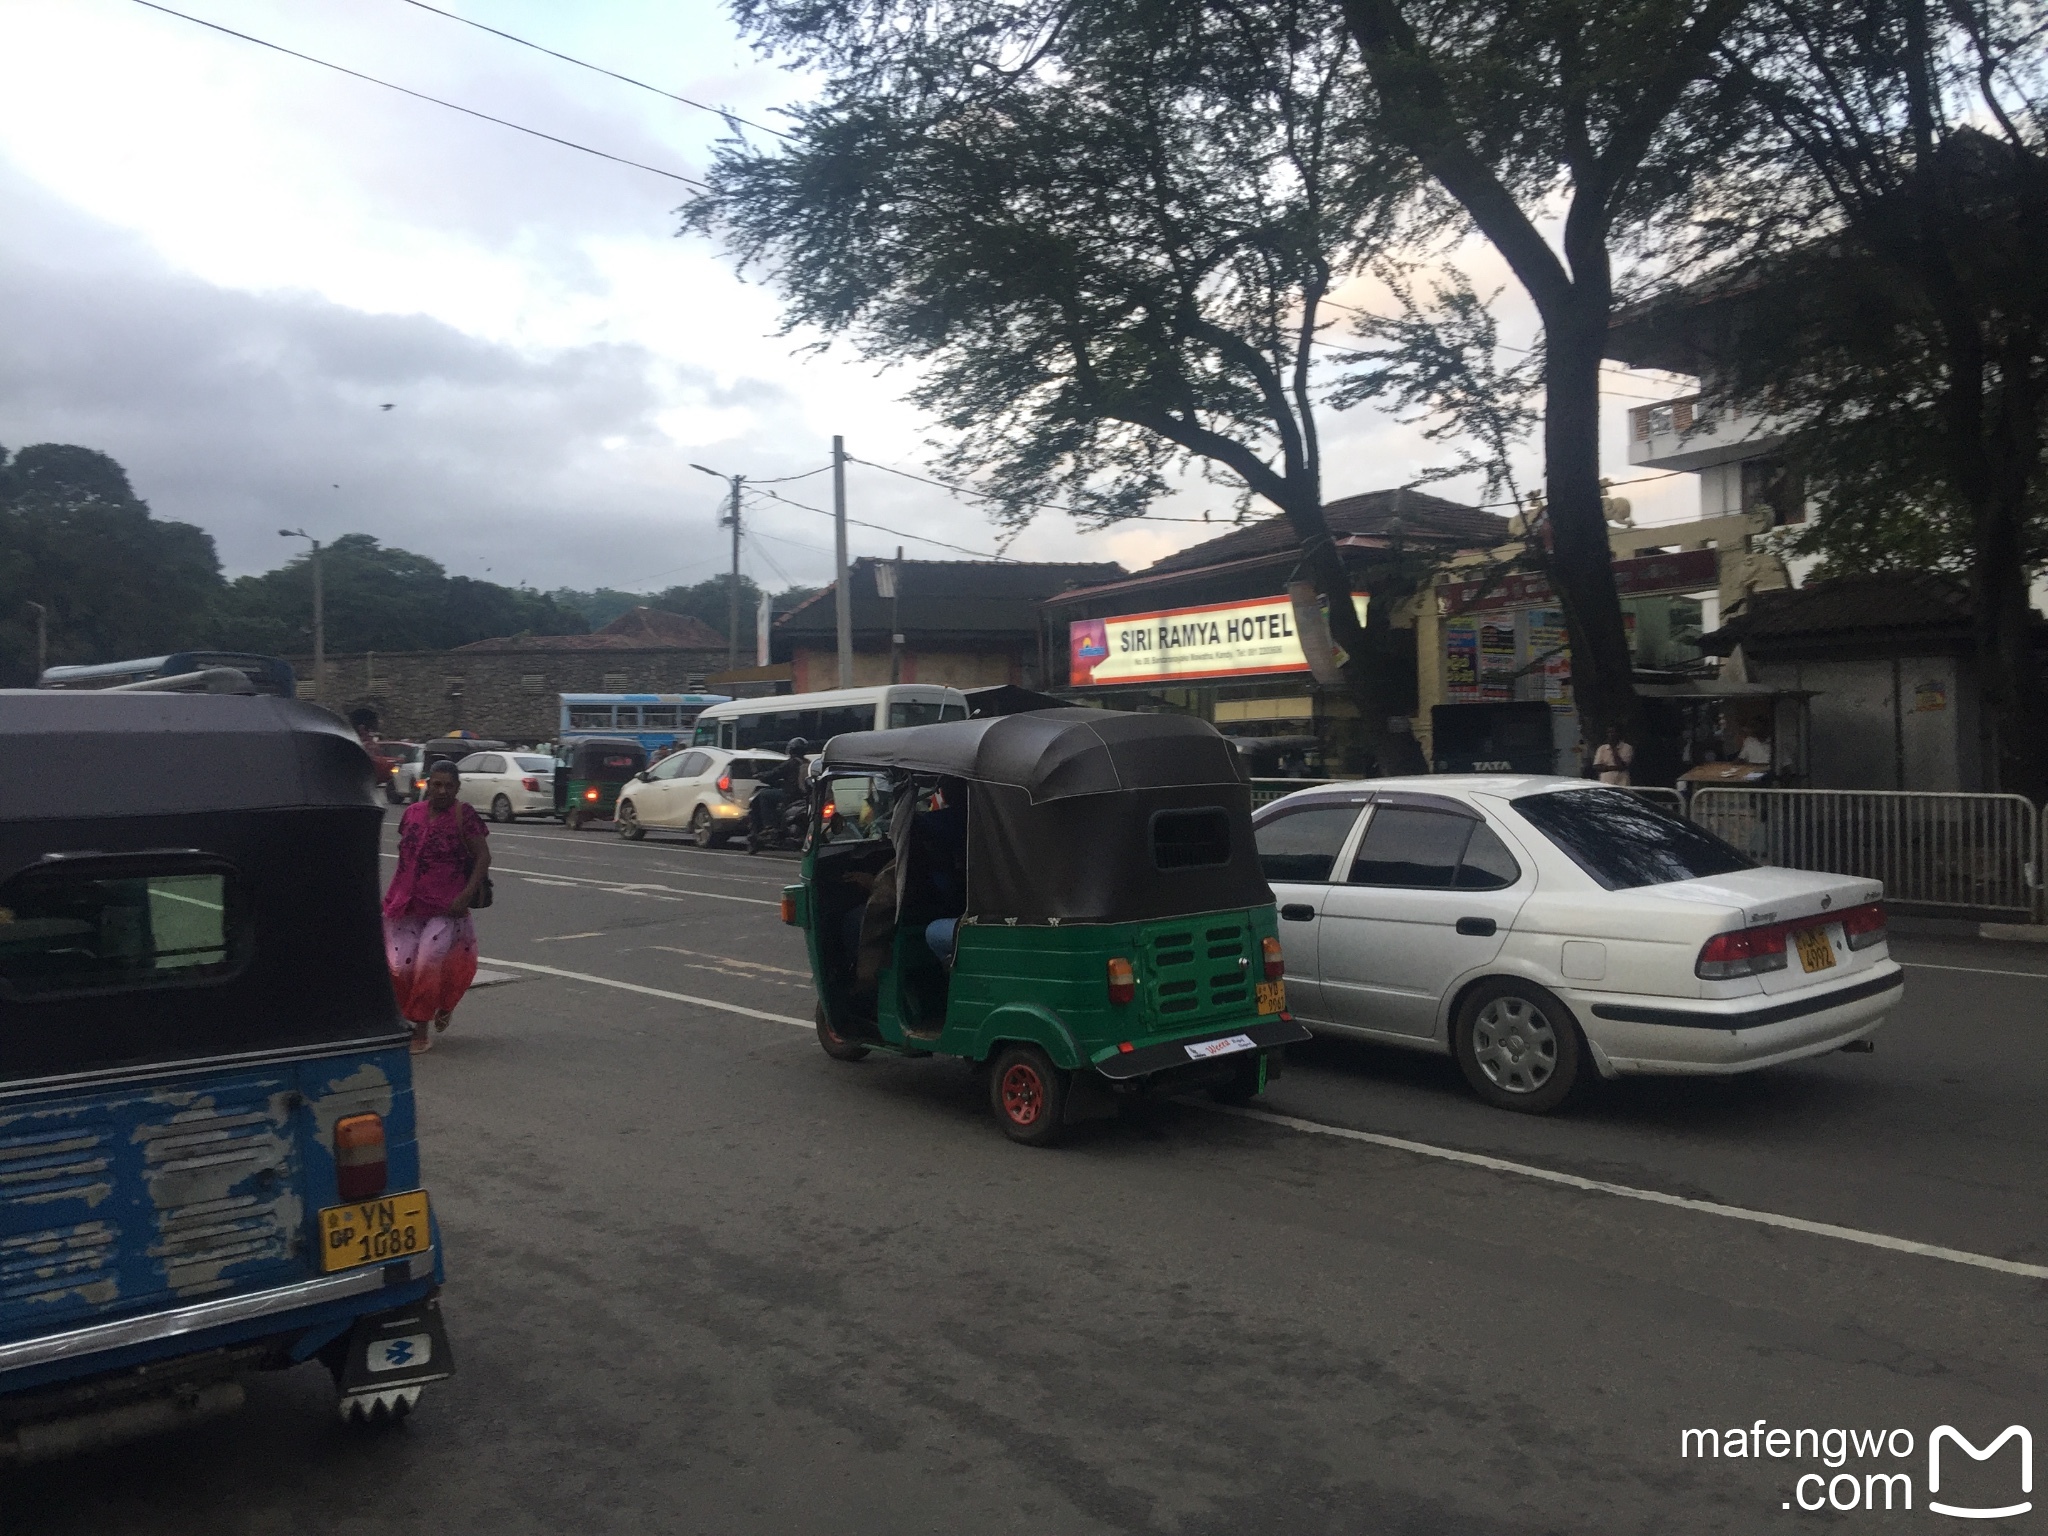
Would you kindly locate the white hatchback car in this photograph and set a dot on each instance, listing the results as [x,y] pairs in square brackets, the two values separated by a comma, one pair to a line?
[1526,924]
[704,791]
[508,785]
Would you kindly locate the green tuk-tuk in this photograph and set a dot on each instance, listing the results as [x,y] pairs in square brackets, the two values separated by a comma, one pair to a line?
[587,785]
[1069,898]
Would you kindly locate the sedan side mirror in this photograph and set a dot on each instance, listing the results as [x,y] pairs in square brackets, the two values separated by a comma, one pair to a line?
[643,777]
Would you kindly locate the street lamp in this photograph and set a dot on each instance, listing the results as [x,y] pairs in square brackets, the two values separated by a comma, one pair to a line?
[319,614]
[732,623]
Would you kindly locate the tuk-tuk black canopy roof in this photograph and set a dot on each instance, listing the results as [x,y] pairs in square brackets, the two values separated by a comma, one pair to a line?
[68,754]
[1053,754]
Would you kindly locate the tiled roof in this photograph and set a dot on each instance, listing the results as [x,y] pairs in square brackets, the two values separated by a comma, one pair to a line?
[1880,602]
[638,629]
[1422,516]
[948,596]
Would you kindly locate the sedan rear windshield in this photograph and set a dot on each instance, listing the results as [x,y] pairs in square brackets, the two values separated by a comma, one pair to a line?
[1623,841]
[535,764]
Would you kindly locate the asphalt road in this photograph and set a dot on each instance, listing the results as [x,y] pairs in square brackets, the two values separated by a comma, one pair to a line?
[703,1278]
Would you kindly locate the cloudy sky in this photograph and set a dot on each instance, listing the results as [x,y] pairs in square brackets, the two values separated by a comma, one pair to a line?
[218,263]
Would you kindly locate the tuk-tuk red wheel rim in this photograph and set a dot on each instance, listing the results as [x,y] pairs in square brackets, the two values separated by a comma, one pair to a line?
[1023,1093]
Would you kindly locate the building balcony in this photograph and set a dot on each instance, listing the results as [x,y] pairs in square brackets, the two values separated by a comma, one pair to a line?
[1697,432]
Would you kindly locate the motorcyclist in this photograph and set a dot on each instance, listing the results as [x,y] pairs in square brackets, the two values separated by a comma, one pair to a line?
[783,784]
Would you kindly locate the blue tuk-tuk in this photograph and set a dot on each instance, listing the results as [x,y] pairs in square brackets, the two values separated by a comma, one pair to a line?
[207,1153]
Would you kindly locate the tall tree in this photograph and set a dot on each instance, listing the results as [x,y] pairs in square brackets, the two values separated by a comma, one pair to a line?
[1103,231]
[379,598]
[115,582]
[1606,114]
[1886,226]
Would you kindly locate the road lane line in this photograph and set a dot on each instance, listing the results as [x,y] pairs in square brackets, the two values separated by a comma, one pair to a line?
[700,954]
[1650,1196]
[636,887]
[674,997]
[1974,970]
[1443,1154]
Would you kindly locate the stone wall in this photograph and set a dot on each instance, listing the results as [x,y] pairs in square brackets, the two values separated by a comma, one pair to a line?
[501,695]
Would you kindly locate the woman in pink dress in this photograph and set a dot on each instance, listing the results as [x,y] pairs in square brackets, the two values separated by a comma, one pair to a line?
[429,938]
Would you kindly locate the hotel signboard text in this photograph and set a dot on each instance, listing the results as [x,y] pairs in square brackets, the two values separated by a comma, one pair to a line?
[1241,639]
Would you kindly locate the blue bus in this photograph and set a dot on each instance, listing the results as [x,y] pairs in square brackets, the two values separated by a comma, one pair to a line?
[655,720]
[266,674]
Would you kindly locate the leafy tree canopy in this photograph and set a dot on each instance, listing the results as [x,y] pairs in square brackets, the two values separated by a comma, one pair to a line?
[115,581]
[380,598]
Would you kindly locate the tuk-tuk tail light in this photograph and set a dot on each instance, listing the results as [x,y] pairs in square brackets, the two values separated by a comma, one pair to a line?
[590,793]
[360,1171]
[1123,981]
[1276,965]
[789,910]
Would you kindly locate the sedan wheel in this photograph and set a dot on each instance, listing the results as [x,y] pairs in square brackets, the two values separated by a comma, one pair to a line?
[1518,1046]
[701,831]
[501,809]
[627,820]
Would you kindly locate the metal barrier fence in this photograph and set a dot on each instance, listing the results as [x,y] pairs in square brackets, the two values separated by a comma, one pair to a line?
[1978,853]
[1266,791]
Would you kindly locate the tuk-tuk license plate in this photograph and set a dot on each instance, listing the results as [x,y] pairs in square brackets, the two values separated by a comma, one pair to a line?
[373,1231]
[1815,952]
[1272,996]
[1202,1050]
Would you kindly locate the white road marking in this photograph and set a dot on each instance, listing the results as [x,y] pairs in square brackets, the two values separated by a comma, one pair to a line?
[1444,1154]
[1974,970]
[675,997]
[639,887]
[698,954]
[555,938]
[1651,1196]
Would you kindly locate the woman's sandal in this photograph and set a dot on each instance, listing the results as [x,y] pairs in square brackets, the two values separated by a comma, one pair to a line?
[422,1041]
[444,1018]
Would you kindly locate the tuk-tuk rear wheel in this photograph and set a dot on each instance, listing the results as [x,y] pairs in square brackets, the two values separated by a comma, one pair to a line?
[836,1045]
[1028,1096]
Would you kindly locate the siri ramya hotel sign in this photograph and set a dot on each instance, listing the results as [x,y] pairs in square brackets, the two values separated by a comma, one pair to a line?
[1253,638]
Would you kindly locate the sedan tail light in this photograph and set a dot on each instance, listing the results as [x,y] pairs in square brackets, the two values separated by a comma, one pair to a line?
[1123,981]
[359,1166]
[530,784]
[725,783]
[1276,966]
[1743,952]
[1864,926]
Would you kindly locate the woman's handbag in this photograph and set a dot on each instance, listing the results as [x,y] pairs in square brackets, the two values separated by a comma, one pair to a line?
[484,896]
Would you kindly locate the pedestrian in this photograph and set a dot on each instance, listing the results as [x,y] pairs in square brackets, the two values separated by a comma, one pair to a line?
[444,857]
[1614,758]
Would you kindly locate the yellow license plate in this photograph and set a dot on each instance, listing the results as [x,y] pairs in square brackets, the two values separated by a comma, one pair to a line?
[392,1227]
[1815,952]
[1272,996]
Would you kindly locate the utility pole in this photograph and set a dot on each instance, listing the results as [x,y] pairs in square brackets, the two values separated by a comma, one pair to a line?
[41,637]
[319,614]
[732,623]
[842,599]
[895,621]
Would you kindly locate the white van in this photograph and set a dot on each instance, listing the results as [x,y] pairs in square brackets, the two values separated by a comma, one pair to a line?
[752,725]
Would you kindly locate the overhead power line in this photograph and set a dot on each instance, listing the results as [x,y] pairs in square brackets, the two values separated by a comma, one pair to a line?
[979,554]
[502,122]
[568,58]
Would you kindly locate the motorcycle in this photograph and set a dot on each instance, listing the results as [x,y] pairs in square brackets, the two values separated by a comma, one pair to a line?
[776,826]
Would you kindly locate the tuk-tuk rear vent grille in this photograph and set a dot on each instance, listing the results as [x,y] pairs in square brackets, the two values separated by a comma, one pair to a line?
[1176,956]
[1174,988]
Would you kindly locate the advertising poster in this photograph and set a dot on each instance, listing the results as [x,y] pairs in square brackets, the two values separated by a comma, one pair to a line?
[1461,660]
[1497,657]
[1547,640]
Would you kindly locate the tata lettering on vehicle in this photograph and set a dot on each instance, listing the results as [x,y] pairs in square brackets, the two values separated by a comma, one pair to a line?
[1257,635]
[206,1105]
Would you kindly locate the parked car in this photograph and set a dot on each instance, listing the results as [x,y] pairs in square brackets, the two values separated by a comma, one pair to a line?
[508,785]
[407,779]
[1545,929]
[705,790]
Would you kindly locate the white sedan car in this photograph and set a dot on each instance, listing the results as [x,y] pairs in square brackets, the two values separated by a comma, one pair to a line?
[508,785]
[704,791]
[1543,929]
